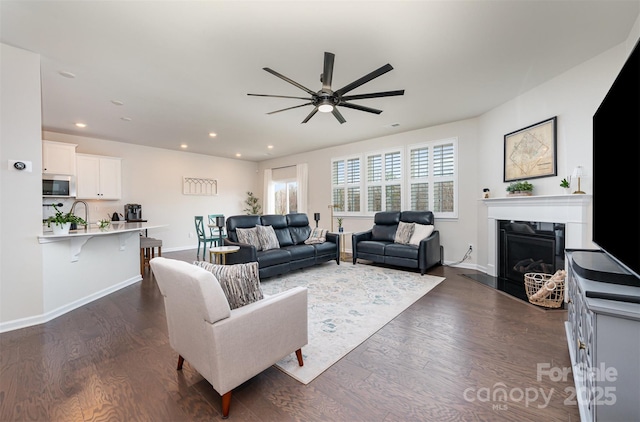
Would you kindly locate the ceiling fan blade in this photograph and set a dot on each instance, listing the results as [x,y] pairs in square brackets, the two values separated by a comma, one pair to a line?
[292,82]
[353,85]
[313,112]
[327,72]
[280,96]
[373,95]
[338,116]
[359,107]
[290,108]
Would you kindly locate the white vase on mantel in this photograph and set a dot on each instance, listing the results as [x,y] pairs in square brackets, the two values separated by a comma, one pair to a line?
[61,229]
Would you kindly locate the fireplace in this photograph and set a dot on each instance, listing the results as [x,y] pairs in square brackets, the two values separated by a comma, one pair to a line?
[548,214]
[527,247]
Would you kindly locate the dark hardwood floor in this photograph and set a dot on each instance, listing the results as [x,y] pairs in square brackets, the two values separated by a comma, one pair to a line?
[449,357]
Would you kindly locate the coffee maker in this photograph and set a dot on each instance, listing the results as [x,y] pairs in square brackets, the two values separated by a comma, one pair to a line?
[133,212]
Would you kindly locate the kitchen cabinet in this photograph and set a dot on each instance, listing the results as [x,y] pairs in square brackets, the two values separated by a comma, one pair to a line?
[58,158]
[98,177]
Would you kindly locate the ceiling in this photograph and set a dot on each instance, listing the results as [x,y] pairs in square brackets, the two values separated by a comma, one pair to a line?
[182,69]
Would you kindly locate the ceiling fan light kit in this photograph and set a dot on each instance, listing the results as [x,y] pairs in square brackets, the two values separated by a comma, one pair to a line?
[326,100]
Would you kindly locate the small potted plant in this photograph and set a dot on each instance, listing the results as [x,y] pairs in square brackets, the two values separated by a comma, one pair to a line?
[62,222]
[566,184]
[522,188]
[340,228]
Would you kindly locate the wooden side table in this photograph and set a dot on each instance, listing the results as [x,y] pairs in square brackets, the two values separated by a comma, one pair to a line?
[342,243]
[220,253]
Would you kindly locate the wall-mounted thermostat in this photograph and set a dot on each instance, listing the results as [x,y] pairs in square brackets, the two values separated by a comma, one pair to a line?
[20,165]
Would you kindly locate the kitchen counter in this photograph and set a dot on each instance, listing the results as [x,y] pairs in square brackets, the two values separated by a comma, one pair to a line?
[78,238]
[114,228]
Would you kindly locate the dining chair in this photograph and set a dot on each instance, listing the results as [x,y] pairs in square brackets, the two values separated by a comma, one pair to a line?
[203,238]
[215,233]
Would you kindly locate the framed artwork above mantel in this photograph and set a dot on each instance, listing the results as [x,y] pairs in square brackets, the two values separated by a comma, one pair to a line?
[530,152]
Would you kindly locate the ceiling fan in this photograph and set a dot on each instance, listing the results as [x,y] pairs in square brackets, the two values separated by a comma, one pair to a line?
[326,100]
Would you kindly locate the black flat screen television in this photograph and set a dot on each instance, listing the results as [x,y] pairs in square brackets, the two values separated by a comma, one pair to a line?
[616,168]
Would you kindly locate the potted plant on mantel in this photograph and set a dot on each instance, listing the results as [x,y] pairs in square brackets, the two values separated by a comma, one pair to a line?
[522,188]
[62,222]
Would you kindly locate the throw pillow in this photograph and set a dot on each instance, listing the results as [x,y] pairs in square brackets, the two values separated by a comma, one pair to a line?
[240,282]
[267,237]
[317,236]
[404,232]
[420,231]
[249,237]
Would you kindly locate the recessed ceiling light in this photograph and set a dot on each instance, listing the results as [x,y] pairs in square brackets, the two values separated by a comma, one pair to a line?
[67,74]
[238,155]
[183,146]
[117,102]
[212,134]
[270,146]
[81,125]
[126,119]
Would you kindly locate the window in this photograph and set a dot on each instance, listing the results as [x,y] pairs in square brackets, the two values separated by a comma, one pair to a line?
[384,182]
[345,184]
[432,178]
[427,182]
[286,198]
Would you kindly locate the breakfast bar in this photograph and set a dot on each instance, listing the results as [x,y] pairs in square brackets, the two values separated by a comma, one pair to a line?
[86,264]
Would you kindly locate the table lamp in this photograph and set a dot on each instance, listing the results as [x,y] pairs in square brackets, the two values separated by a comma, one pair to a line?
[577,173]
[220,224]
[316,216]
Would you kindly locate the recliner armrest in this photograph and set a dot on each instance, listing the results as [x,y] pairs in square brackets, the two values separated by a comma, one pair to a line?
[247,253]
[359,237]
[276,325]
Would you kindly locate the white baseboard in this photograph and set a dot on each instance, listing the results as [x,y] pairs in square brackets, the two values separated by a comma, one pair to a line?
[48,316]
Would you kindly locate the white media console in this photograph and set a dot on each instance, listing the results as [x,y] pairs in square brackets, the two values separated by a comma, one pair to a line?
[603,332]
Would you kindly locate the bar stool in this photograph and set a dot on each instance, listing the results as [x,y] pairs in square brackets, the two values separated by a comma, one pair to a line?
[148,247]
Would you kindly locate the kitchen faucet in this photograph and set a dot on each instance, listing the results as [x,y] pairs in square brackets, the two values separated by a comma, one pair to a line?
[86,211]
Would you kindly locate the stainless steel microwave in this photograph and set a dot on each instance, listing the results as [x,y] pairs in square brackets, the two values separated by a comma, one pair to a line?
[59,185]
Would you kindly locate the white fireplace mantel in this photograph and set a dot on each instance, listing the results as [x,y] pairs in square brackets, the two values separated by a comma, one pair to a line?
[571,210]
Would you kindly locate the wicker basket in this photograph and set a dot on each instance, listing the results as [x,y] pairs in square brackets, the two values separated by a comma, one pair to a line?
[542,292]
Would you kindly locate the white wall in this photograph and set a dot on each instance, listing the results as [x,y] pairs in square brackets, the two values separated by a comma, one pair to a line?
[20,208]
[152,177]
[455,235]
[574,97]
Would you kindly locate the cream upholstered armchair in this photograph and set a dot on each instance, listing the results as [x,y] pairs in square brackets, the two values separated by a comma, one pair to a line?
[227,347]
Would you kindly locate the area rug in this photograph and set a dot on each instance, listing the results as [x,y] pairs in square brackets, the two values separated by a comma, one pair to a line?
[347,304]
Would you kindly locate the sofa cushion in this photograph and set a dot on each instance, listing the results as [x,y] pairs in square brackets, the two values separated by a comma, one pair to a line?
[299,252]
[298,227]
[240,282]
[280,226]
[401,251]
[267,238]
[372,247]
[317,235]
[240,221]
[418,217]
[420,231]
[273,257]
[404,232]
[383,233]
[249,237]
[387,218]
